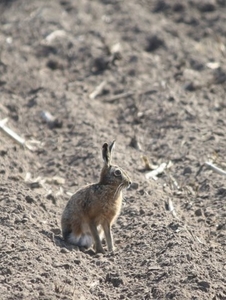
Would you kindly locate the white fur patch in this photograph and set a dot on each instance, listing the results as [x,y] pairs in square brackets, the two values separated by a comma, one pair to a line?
[84,240]
[74,239]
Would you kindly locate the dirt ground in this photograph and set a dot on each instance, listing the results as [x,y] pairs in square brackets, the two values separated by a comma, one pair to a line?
[161,65]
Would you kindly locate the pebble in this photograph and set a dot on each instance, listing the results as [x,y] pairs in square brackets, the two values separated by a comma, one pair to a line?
[64,250]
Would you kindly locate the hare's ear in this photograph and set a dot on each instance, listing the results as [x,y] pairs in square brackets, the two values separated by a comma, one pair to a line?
[112,146]
[106,152]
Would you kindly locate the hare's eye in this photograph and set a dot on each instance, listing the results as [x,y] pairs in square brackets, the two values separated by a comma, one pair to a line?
[117,173]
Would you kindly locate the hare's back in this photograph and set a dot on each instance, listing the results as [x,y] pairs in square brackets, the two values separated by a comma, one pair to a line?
[80,196]
[96,200]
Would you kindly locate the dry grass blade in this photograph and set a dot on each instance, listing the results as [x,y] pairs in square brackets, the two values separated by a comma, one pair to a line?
[55,180]
[98,90]
[54,35]
[60,192]
[215,168]
[175,183]
[147,164]
[30,145]
[22,142]
[119,96]
[171,209]
[170,205]
[128,94]
[11,133]
[69,194]
[34,182]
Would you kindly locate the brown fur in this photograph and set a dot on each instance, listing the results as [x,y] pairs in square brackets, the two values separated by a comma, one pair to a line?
[94,208]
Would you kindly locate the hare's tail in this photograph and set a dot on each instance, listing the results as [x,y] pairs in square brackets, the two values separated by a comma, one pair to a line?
[84,240]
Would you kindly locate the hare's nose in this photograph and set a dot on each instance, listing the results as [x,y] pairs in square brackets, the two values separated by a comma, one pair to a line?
[129,184]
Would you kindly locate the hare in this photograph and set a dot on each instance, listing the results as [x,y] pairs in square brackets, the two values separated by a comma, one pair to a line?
[93,209]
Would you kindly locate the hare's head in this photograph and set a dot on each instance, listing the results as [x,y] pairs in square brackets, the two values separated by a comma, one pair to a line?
[111,174]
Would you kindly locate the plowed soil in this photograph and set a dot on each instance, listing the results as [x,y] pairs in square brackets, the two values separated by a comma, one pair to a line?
[161,65]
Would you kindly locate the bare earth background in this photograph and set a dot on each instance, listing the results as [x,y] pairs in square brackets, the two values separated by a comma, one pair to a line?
[171,55]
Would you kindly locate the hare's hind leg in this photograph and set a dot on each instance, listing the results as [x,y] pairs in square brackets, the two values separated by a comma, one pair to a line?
[96,237]
[108,235]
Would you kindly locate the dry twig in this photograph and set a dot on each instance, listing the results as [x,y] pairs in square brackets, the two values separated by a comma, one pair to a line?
[154,173]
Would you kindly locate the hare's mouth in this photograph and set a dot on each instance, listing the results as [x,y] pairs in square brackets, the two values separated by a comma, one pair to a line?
[128,184]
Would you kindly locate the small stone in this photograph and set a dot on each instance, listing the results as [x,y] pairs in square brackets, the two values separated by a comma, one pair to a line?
[207,6]
[56,231]
[204,285]
[99,255]
[153,43]
[52,198]
[66,266]
[198,212]
[187,171]
[134,186]
[25,220]
[77,261]
[189,86]
[135,143]
[29,199]
[221,226]
[64,250]
[142,212]
[115,279]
